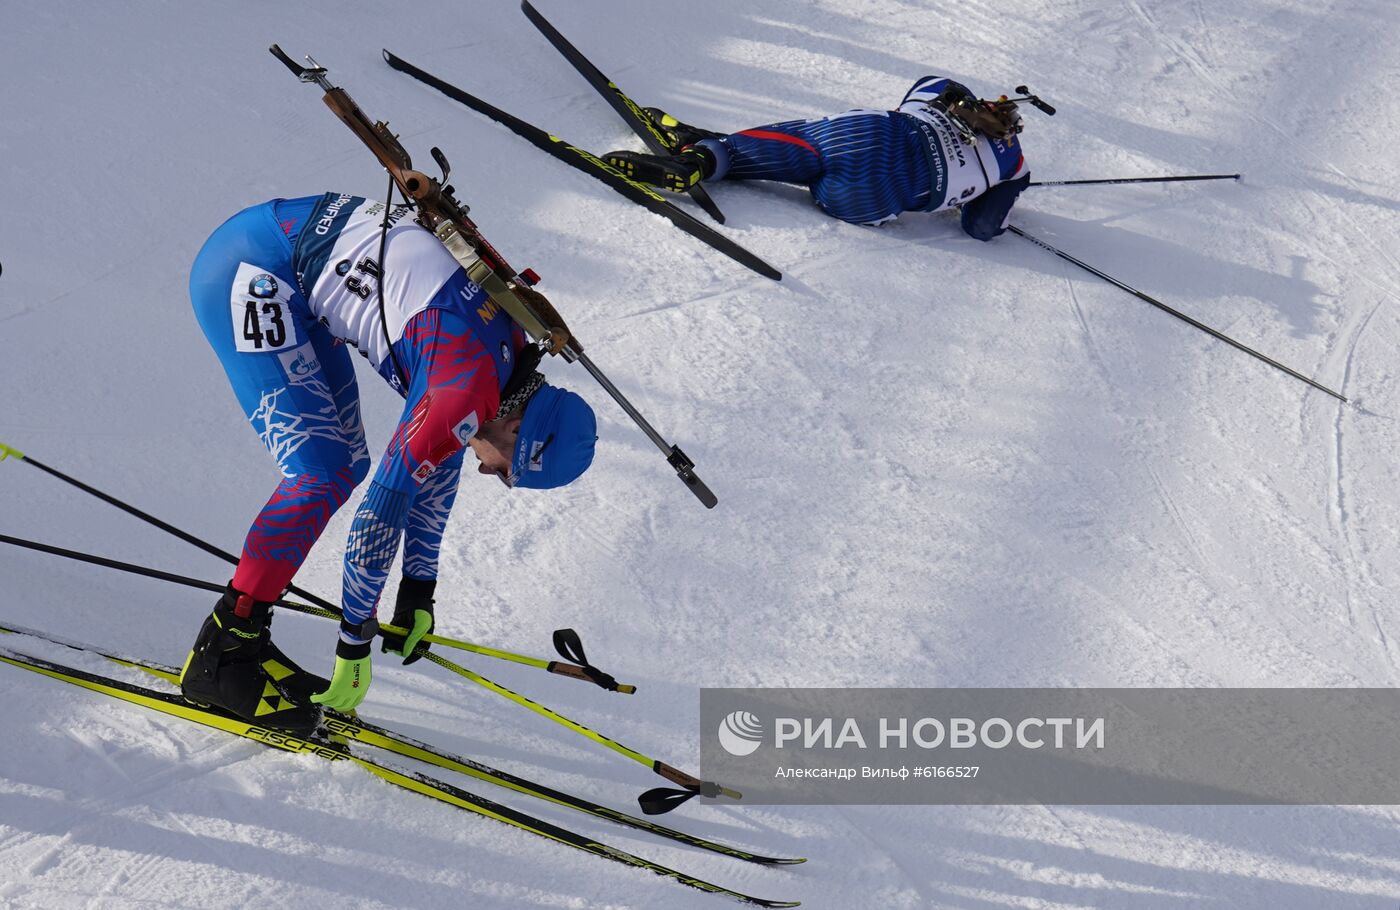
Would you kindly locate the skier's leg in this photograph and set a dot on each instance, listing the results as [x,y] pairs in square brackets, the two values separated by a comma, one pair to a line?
[787,151]
[280,364]
[876,167]
[779,151]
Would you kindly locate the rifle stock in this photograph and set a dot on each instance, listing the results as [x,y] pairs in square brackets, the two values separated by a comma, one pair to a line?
[440,212]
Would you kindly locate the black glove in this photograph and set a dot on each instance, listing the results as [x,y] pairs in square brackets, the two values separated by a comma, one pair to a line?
[985,217]
[413,610]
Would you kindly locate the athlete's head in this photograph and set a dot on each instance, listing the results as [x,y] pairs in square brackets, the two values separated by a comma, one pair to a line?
[972,116]
[547,443]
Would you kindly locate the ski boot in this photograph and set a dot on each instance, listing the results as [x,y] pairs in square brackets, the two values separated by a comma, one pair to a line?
[675,135]
[297,684]
[676,173]
[226,669]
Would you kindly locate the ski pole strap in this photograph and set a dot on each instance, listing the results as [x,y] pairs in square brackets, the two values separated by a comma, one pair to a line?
[307,609]
[660,800]
[570,647]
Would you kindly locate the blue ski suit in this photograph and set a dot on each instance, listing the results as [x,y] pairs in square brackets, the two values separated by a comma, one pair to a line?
[867,167]
[282,291]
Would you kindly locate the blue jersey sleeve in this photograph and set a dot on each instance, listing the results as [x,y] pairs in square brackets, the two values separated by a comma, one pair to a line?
[454,387]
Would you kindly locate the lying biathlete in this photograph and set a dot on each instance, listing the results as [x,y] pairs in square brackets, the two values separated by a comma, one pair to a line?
[282,291]
[942,148]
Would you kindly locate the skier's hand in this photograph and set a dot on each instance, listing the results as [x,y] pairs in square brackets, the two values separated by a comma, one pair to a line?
[412,611]
[406,646]
[350,681]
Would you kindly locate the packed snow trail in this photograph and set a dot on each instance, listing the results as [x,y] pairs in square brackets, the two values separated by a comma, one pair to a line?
[939,462]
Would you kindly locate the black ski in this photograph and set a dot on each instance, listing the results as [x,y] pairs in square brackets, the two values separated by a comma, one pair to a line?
[328,748]
[362,731]
[591,164]
[626,108]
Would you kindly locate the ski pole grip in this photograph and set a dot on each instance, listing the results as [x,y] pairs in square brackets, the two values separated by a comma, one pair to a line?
[597,677]
[678,777]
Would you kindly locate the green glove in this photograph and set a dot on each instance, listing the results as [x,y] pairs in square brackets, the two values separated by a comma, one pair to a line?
[413,611]
[350,681]
[422,625]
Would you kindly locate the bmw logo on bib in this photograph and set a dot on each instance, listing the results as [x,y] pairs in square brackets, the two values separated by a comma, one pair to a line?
[263,285]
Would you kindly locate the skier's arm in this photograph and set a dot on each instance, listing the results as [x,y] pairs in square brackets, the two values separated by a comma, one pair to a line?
[422,541]
[986,216]
[454,389]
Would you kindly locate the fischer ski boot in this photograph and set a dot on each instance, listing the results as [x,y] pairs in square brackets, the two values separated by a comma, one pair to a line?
[676,173]
[297,684]
[225,668]
[675,135]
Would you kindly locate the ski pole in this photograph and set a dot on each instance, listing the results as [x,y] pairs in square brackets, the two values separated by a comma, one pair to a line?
[187,581]
[564,639]
[653,802]
[1175,179]
[1178,314]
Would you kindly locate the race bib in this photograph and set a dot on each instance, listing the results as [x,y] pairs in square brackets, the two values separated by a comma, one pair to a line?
[259,307]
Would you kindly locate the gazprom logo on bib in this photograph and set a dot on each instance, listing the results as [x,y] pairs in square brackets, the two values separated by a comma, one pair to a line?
[741,733]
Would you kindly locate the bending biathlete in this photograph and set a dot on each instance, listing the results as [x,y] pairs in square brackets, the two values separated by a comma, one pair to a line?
[280,290]
[942,148]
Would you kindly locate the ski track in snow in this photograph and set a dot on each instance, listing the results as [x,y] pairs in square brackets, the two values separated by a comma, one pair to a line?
[939,462]
[1342,517]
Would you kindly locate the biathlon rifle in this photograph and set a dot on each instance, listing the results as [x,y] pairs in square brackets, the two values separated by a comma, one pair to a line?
[439,211]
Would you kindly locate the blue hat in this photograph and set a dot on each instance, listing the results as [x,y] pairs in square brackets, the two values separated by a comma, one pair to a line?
[556,439]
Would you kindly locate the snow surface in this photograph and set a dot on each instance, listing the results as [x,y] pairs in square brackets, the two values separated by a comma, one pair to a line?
[940,462]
